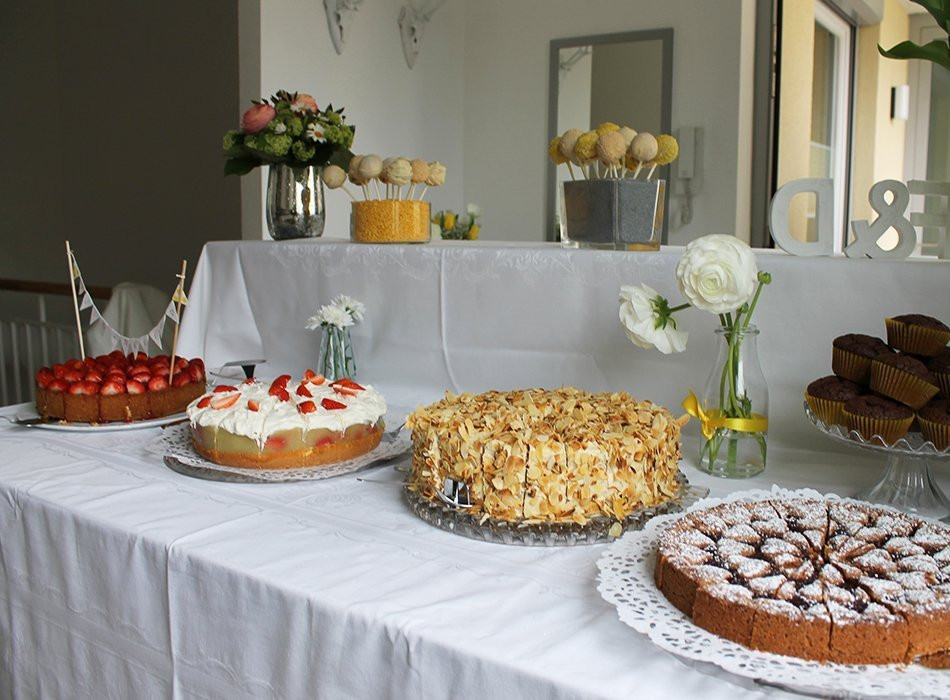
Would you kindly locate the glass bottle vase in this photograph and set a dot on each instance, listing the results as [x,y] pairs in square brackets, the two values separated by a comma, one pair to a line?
[295,206]
[336,354]
[736,403]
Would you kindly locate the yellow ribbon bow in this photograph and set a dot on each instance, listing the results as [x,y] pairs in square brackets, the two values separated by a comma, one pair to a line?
[714,419]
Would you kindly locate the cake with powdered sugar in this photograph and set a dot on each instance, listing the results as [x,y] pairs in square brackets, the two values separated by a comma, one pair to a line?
[837,581]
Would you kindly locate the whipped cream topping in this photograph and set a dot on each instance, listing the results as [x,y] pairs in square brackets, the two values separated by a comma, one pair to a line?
[274,415]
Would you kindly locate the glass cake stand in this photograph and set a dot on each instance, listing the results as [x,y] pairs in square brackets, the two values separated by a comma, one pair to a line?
[536,533]
[906,482]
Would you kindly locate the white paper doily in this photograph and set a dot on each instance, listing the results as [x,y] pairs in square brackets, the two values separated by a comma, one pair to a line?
[174,446]
[626,581]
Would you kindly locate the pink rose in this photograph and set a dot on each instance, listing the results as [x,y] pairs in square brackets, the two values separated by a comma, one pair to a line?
[306,102]
[257,117]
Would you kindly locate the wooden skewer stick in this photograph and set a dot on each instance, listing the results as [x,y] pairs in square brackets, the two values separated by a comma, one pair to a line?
[181,286]
[412,191]
[424,190]
[376,185]
[637,171]
[650,174]
[72,285]
[571,170]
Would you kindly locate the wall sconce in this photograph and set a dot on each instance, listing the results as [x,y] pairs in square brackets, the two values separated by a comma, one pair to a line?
[339,16]
[900,102]
[412,23]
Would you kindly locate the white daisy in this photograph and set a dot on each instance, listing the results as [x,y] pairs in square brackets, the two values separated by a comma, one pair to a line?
[355,308]
[314,132]
[280,128]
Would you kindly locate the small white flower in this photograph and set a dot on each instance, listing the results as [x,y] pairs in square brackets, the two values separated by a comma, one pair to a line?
[330,315]
[473,210]
[435,231]
[639,317]
[297,107]
[314,132]
[717,273]
[280,128]
[355,308]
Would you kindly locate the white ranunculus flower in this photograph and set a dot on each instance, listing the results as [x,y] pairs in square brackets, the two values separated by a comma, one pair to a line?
[473,210]
[638,314]
[717,273]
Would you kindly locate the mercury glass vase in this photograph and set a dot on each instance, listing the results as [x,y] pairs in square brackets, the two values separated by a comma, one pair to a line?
[736,404]
[295,204]
[336,354]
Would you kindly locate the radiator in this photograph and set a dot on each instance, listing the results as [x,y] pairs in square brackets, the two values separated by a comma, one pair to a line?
[25,346]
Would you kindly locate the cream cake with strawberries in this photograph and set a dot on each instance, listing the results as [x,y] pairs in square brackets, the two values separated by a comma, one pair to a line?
[285,424]
[540,455]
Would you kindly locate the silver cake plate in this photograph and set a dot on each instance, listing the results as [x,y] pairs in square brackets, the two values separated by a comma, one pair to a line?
[533,533]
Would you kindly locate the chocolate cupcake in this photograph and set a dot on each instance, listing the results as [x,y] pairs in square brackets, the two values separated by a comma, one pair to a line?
[903,378]
[917,334]
[939,366]
[827,396]
[934,420]
[874,415]
[851,356]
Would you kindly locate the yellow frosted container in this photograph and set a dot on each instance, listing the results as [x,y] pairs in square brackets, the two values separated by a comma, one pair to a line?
[390,221]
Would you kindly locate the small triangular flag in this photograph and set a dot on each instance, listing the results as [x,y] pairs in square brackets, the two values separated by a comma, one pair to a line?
[87,302]
[179,296]
[171,312]
[74,266]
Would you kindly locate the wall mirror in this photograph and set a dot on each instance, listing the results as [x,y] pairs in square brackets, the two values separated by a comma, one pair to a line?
[624,78]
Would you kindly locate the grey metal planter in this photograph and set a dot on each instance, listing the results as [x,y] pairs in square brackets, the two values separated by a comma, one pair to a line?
[618,214]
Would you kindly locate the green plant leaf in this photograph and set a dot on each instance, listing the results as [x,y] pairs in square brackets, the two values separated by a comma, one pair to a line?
[240,166]
[938,9]
[937,51]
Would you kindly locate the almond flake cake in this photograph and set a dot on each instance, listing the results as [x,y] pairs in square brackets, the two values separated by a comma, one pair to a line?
[540,455]
[844,581]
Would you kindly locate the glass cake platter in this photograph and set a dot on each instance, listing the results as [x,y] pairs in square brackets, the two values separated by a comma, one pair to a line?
[455,518]
[906,482]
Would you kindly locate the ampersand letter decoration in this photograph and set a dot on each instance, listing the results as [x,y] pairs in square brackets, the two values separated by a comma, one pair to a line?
[867,235]
[824,217]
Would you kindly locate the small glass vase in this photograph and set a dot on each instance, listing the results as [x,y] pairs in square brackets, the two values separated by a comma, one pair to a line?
[294,202]
[336,354]
[736,403]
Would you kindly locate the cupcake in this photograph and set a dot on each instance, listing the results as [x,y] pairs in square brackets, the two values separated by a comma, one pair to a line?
[939,366]
[934,420]
[874,415]
[851,356]
[903,378]
[917,334]
[827,396]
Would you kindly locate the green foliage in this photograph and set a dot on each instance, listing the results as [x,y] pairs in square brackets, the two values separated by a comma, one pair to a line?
[297,135]
[938,50]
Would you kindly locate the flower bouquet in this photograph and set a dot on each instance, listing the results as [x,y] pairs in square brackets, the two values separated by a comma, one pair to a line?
[336,348]
[717,274]
[296,139]
[458,228]
[290,129]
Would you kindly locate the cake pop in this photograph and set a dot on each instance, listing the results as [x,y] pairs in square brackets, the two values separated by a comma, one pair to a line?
[399,174]
[627,134]
[585,150]
[610,149]
[420,171]
[370,168]
[667,148]
[436,176]
[334,177]
[606,128]
[643,148]
[568,140]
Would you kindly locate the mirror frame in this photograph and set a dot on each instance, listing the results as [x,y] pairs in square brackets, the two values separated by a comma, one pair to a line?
[665,36]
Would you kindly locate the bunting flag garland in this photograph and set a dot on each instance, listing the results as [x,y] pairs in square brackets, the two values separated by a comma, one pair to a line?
[128,345]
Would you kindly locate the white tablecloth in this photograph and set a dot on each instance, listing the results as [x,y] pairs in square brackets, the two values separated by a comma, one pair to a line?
[120,578]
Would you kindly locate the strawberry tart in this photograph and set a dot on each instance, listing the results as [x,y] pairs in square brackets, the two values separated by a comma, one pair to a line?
[286,424]
[117,387]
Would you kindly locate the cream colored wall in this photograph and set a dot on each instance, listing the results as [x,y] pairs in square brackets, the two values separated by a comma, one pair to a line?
[879,140]
[794,145]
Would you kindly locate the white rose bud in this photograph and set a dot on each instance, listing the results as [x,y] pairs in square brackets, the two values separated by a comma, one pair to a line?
[639,319]
[717,273]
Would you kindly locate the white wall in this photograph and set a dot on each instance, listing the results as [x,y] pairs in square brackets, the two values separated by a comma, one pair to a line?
[397,111]
[477,97]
